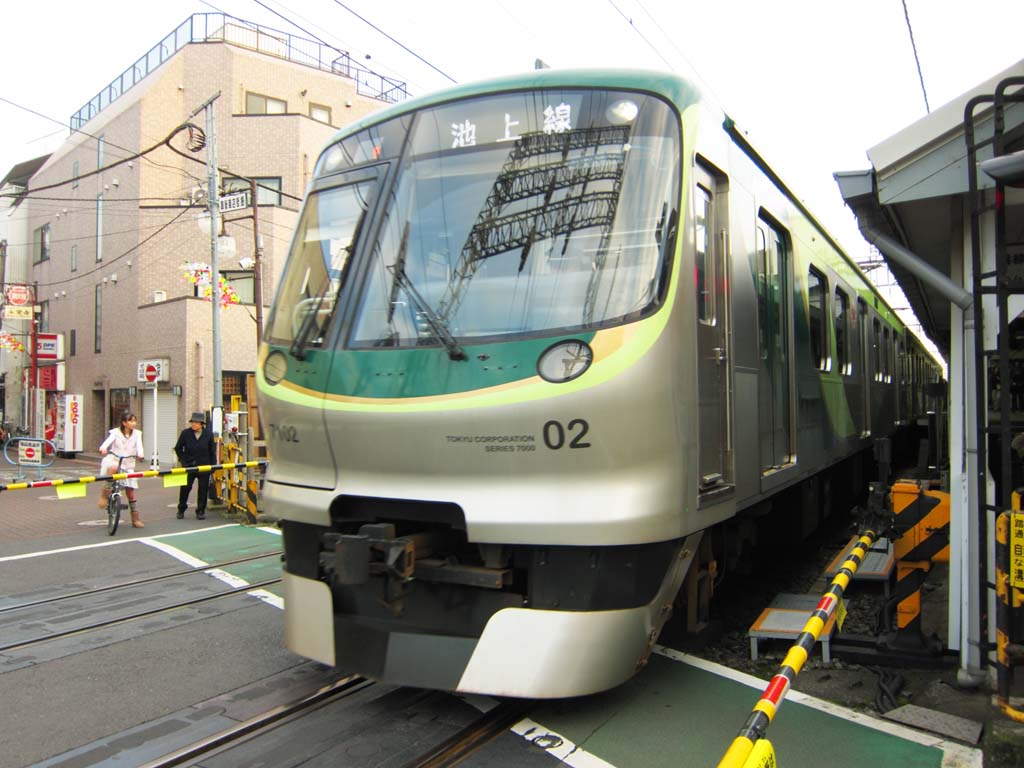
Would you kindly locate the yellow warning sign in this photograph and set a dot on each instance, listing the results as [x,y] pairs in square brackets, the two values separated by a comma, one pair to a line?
[1017,549]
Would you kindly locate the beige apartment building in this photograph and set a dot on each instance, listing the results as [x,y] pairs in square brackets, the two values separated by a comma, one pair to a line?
[107,240]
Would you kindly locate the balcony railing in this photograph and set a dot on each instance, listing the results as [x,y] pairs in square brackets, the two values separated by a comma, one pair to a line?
[221,28]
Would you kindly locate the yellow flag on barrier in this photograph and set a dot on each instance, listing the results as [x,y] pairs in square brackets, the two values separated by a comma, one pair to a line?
[172,481]
[73,491]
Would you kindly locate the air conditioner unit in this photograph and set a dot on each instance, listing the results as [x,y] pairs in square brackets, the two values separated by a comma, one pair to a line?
[159,296]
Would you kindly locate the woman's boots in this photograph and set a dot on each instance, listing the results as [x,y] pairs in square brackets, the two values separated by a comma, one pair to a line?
[136,518]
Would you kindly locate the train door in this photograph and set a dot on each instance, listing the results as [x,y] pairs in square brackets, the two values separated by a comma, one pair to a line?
[713,377]
[863,331]
[773,380]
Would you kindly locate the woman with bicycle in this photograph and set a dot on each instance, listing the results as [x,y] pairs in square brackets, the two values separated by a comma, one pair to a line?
[124,441]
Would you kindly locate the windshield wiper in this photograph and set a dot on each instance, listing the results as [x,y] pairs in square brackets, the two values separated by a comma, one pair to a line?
[437,325]
[309,323]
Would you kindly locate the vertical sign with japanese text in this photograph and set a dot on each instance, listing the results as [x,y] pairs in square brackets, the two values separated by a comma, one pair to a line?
[1017,549]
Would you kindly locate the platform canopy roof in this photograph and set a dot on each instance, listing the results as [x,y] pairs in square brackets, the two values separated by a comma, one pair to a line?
[914,193]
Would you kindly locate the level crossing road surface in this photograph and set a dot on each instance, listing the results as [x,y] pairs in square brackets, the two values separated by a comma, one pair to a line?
[98,698]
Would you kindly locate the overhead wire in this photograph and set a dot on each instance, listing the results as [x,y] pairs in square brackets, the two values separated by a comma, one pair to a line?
[917,60]
[636,29]
[108,262]
[393,40]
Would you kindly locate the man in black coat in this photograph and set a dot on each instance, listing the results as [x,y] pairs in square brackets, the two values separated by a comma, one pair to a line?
[195,447]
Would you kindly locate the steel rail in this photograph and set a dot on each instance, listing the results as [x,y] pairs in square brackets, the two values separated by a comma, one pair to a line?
[133,617]
[474,736]
[99,590]
[230,736]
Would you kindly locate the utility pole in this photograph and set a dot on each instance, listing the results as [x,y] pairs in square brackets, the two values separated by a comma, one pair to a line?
[212,204]
[257,267]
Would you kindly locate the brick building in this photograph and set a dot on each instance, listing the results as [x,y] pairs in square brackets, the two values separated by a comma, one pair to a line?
[105,241]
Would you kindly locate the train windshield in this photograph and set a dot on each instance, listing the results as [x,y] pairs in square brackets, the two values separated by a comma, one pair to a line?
[519,214]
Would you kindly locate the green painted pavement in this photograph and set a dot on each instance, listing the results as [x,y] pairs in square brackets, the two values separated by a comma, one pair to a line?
[231,543]
[677,715]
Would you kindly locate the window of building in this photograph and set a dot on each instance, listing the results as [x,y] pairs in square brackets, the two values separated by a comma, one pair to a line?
[841,324]
[44,317]
[268,188]
[74,175]
[99,227]
[98,323]
[320,113]
[100,142]
[41,244]
[71,343]
[258,104]
[74,258]
[817,289]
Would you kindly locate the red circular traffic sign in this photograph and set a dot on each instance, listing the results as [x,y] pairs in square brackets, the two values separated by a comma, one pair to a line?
[151,372]
[30,453]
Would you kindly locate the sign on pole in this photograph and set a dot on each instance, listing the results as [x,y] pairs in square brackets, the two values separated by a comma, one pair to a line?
[152,371]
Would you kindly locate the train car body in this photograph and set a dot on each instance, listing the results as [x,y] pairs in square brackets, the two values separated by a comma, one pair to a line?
[534,337]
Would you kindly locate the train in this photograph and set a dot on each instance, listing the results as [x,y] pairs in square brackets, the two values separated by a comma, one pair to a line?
[537,340]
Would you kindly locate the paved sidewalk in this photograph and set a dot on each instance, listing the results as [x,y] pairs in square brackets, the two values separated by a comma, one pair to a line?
[28,516]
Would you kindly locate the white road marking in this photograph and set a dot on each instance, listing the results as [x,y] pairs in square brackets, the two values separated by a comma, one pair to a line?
[111,543]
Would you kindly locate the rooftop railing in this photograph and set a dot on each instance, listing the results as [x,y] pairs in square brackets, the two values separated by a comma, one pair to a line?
[221,28]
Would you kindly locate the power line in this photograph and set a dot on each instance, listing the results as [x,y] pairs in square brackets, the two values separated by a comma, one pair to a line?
[389,37]
[108,262]
[637,30]
[917,61]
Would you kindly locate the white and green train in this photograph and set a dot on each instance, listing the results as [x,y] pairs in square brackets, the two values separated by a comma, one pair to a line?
[535,337]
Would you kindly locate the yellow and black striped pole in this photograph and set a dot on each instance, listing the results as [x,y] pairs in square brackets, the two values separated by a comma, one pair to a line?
[131,475]
[750,748]
[1009,603]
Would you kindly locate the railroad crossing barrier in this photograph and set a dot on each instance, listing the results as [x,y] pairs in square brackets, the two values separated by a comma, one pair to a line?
[67,489]
[751,748]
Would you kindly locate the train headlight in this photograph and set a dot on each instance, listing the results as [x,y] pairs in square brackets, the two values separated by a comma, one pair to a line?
[275,367]
[565,361]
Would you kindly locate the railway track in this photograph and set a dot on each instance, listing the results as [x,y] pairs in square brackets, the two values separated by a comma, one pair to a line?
[9,615]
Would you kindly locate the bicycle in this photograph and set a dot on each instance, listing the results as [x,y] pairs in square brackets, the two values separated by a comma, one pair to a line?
[115,503]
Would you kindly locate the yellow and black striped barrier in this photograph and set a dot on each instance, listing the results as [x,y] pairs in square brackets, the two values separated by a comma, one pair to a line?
[751,748]
[172,477]
[921,537]
[1009,603]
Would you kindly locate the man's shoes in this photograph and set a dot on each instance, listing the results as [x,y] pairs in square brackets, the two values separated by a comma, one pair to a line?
[181,514]
[200,515]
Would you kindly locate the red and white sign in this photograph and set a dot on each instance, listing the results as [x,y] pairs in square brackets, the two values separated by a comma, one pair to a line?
[30,452]
[19,295]
[49,346]
[152,371]
[70,437]
[51,377]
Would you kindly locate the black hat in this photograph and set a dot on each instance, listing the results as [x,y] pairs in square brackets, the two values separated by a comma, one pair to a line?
[198,416]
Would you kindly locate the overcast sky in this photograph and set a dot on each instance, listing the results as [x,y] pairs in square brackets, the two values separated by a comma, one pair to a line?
[814,83]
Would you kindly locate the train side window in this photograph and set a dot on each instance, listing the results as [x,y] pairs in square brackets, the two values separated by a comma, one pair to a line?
[887,356]
[876,326]
[704,266]
[841,323]
[817,289]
